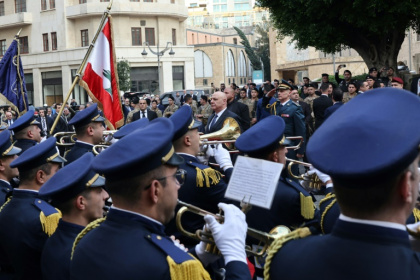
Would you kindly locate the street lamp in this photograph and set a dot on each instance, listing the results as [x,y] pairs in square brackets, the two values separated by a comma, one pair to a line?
[158,54]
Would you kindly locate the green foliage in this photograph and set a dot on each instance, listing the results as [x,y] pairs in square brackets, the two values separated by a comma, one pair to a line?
[123,68]
[263,48]
[254,59]
[374,28]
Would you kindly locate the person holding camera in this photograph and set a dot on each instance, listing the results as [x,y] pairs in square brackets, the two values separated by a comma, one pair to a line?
[343,83]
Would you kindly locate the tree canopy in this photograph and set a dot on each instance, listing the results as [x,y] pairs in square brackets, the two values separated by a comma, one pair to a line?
[374,28]
[254,59]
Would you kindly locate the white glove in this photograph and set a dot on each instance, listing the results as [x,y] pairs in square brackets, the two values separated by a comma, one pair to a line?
[229,236]
[206,258]
[322,176]
[178,244]
[209,151]
[222,157]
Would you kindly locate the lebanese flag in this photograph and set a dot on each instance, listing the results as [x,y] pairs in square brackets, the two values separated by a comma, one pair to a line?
[100,78]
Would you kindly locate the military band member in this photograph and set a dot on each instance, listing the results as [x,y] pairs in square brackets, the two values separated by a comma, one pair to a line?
[292,205]
[26,221]
[77,191]
[376,185]
[171,107]
[7,154]
[143,184]
[26,131]
[88,125]
[205,111]
[204,187]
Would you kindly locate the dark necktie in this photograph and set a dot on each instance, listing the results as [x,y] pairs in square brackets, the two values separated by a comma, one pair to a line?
[143,114]
[213,121]
[44,125]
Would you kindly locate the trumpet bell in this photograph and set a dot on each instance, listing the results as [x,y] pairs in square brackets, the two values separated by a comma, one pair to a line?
[230,131]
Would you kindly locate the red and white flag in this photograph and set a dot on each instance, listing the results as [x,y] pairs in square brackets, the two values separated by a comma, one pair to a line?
[100,78]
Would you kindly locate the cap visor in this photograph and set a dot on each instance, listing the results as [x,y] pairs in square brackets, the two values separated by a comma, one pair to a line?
[287,142]
[100,119]
[35,122]
[99,182]
[14,151]
[175,160]
[196,124]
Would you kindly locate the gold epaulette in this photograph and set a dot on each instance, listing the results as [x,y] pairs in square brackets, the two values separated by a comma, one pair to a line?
[416,214]
[96,223]
[4,204]
[206,175]
[307,206]
[191,269]
[278,244]
[50,223]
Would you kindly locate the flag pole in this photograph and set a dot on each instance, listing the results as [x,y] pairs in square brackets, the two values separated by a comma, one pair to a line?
[18,72]
[82,65]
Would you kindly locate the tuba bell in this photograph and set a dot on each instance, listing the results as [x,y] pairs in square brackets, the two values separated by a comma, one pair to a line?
[227,135]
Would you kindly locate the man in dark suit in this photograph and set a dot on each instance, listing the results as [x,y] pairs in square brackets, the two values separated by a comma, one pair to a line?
[45,122]
[219,106]
[415,86]
[377,187]
[9,118]
[238,108]
[321,104]
[144,112]
[294,96]
[337,98]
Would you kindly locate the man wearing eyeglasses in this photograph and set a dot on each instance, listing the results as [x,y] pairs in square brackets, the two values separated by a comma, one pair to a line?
[143,112]
[131,243]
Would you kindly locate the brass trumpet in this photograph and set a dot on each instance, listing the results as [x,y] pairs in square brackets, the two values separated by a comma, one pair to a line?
[313,180]
[67,135]
[265,238]
[97,149]
[227,135]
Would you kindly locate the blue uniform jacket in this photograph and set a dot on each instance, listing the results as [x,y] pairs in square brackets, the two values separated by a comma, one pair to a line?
[24,144]
[120,248]
[22,237]
[55,260]
[292,115]
[78,150]
[5,189]
[352,251]
[205,197]
[261,112]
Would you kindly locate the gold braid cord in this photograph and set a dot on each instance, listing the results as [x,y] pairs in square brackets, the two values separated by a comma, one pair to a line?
[4,204]
[278,243]
[334,200]
[88,228]
[272,108]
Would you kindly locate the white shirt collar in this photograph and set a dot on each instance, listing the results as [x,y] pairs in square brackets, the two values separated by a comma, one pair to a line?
[284,103]
[5,181]
[85,143]
[372,222]
[220,113]
[135,213]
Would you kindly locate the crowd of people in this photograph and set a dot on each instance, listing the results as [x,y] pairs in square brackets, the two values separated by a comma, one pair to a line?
[54,223]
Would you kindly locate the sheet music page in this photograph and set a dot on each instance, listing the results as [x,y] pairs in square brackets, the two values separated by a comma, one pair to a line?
[254,180]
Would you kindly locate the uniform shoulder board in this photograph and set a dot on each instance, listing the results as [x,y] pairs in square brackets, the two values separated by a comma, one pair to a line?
[49,216]
[307,205]
[206,176]
[278,244]
[181,264]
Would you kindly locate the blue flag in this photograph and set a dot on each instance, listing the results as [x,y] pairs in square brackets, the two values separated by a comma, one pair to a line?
[12,80]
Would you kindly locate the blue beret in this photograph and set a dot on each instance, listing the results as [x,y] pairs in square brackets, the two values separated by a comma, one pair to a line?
[24,121]
[374,136]
[72,179]
[264,136]
[6,146]
[86,116]
[128,128]
[38,155]
[125,159]
[183,121]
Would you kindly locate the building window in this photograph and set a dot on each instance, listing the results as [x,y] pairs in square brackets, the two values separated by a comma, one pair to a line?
[43,5]
[147,0]
[230,64]
[150,36]
[235,41]
[418,37]
[2,8]
[104,0]
[53,41]
[203,66]
[172,1]
[136,36]
[85,37]
[174,36]
[24,46]
[20,6]
[134,0]
[192,39]
[82,1]
[205,39]
[45,41]
[52,4]
[242,65]
[2,47]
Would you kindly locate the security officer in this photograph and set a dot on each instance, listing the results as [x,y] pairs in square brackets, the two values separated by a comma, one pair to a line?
[204,186]
[292,205]
[26,131]
[89,128]
[8,152]
[77,191]
[26,221]
[143,184]
[292,115]
[376,185]
[171,107]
